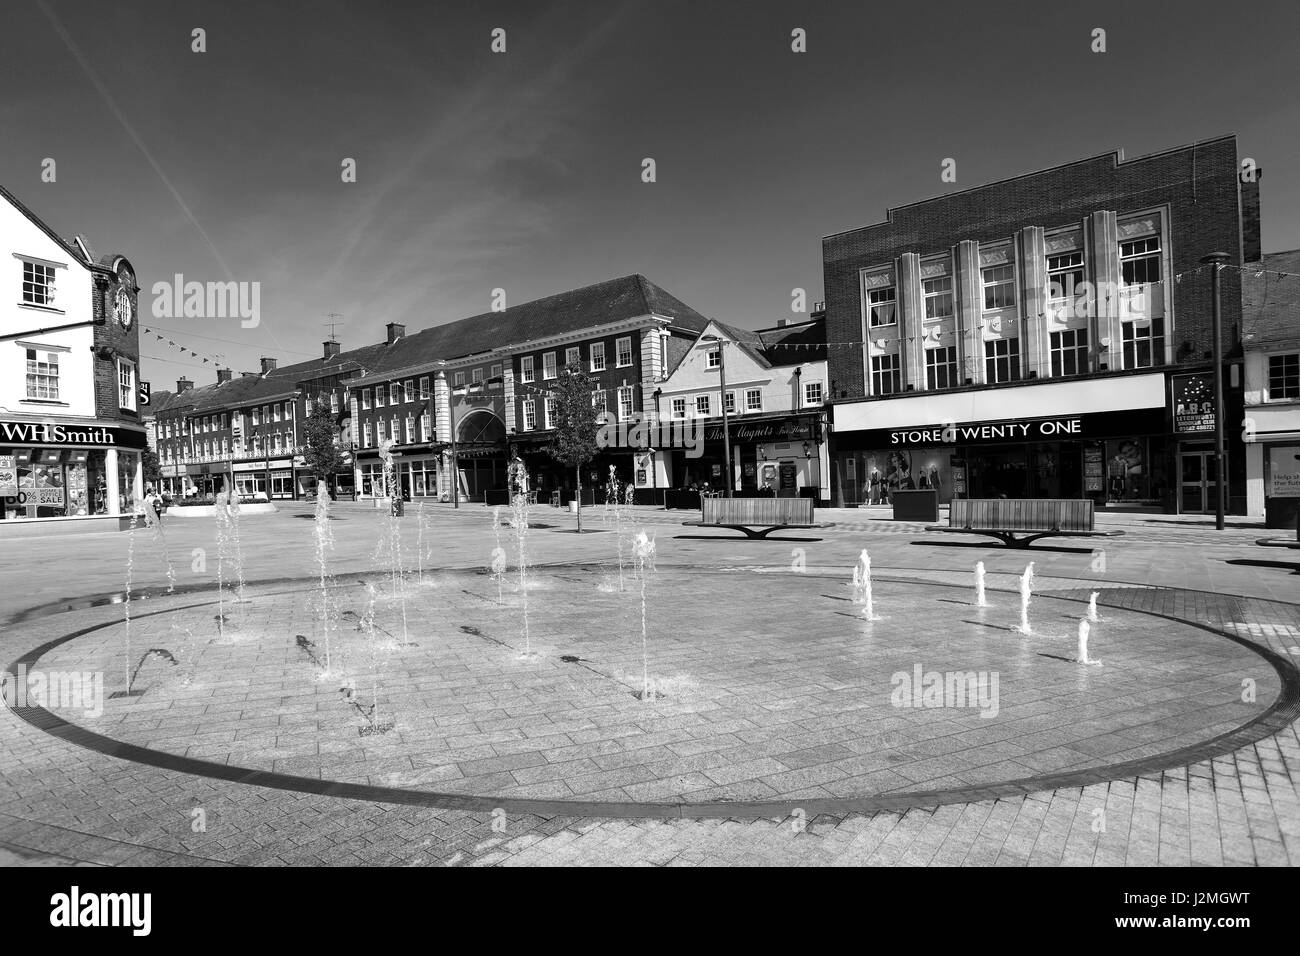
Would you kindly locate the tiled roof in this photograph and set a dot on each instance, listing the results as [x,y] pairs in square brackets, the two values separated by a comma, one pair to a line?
[36,220]
[221,396]
[798,342]
[1270,303]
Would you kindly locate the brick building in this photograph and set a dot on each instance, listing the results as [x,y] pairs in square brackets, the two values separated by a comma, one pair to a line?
[1028,338]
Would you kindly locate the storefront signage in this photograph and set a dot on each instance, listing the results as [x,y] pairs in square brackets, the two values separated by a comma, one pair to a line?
[787,431]
[8,476]
[72,436]
[1193,402]
[1088,426]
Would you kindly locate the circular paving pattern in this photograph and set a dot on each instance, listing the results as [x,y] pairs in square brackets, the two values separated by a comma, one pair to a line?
[767,691]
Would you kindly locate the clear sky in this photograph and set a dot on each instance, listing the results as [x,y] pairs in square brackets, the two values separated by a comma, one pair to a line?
[522,170]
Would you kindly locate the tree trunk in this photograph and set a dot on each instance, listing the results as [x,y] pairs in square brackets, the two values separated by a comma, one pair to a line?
[577,481]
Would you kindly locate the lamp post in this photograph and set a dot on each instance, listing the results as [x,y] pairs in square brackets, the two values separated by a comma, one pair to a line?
[1216,261]
[722,394]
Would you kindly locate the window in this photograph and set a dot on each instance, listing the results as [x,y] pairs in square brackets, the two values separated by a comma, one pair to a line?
[424,387]
[623,350]
[38,284]
[426,428]
[275,412]
[598,400]
[713,358]
[379,396]
[409,434]
[702,406]
[598,356]
[476,377]
[1283,376]
[548,365]
[753,399]
[395,393]
[625,403]
[1064,279]
[43,375]
[526,372]
[1002,360]
[572,356]
[495,371]
[379,431]
[886,376]
[938,297]
[548,409]
[408,390]
[125,385]
[1139,260]
[530,414]
[812,393]
[365,436]
[1069,352]
[1144,343]
[334,403]
[941,367]
[999,287]
[679,408]
[458,380]
[394,430]
[365,403]
[882,309]
[729,403]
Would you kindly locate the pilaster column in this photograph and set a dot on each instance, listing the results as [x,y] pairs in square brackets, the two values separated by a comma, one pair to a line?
[111,480]
[1031,249]
[968,310]
[1103,268]
[911,319]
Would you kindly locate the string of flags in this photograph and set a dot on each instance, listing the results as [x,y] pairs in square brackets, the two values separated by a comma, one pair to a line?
[172,343]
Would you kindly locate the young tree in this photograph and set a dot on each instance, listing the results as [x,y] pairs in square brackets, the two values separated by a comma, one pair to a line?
[152,469]
[575,420]
[320,448]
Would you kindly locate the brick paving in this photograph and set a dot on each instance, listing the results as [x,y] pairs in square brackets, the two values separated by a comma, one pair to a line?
[60,802]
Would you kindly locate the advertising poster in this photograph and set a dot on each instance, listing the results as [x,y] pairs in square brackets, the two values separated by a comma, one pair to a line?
[1193,403]
[1284,472]
[902,469]
[8,476]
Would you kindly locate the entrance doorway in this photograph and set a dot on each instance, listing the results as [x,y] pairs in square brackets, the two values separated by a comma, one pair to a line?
[1198,482]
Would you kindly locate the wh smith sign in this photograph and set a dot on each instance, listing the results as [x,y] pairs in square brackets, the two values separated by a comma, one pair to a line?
[69,436]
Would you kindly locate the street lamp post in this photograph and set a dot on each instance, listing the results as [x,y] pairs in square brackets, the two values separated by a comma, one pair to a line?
[726,422]
[1216,261]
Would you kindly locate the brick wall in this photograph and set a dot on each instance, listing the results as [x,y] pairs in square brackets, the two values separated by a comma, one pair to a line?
[122,342]
[1199,185]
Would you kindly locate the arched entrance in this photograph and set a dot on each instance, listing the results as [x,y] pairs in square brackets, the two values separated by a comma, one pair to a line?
[480,453]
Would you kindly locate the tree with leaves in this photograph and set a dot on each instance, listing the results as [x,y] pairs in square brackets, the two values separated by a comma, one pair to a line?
[320,448]
[576,423]
[152,469]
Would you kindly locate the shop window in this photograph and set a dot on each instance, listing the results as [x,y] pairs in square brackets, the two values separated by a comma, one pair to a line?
[43,375]
[1144,343]
[1283,376]
[886,375]
[999,287]
[38,284]
[1002,360]
[941,367]
[882,309]
[1069,352]
[1135,471]
[938,297]
[598,356]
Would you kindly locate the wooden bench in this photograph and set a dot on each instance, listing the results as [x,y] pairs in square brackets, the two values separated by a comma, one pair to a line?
[757,517]
[1031,518]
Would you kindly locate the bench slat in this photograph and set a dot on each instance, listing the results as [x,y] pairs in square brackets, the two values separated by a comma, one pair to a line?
[1022,514]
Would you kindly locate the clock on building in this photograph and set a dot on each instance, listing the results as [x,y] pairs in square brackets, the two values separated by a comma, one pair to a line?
[123,309]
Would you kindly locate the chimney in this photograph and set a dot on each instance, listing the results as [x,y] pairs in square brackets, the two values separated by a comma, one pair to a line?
[332,349]
[1251,243]
[183,385]
[224,375]
[780,323]
[268,365]
[395,332]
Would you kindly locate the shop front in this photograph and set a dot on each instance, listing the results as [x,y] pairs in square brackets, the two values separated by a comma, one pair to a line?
[50,473]
[265,478]
[779,456]
[207,479]
[1122,458]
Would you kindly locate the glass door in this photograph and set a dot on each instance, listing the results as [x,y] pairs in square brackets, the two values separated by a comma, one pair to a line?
[1198,482]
